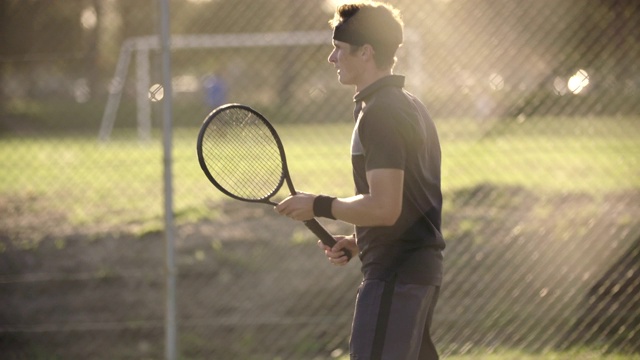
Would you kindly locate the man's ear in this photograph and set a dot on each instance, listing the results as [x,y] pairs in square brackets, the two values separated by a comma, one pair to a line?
[367,52]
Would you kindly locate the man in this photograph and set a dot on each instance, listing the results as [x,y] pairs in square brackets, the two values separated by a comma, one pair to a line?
[396,211]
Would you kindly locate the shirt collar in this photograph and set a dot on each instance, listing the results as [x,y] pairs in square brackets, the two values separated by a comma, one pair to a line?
[387,81]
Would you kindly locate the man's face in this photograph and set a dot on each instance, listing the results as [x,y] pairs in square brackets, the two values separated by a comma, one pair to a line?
[348,64]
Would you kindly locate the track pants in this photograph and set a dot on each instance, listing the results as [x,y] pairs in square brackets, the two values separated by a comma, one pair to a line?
[392,321]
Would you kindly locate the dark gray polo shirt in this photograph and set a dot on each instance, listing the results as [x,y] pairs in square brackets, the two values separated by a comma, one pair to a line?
[394,131]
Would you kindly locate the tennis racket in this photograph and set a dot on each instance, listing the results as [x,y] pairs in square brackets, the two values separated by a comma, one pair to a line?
[241,154]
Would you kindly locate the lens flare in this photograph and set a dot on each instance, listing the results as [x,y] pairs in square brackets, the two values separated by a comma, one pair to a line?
[578,82]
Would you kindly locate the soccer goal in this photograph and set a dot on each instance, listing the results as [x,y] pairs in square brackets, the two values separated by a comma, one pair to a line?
[140,48]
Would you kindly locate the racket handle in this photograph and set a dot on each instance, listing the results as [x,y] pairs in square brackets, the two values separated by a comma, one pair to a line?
[323,234]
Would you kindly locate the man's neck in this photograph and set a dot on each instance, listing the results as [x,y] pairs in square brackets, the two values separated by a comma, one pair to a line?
[371,78]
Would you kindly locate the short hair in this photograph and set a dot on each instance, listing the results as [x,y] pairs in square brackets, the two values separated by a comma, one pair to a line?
[377,24]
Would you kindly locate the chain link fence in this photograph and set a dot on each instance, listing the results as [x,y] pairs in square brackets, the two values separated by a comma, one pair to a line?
[537,107]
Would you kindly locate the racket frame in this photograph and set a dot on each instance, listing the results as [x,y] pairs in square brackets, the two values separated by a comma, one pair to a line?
[285,177]
[284,174]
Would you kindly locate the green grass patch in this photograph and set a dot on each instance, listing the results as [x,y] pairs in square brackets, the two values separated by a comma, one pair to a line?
[121,182]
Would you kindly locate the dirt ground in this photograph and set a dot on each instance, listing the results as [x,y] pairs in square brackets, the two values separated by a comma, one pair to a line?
[240,276]
[253,285]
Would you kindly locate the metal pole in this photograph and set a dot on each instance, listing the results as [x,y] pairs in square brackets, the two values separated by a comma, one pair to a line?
[115,92]
[143,83]
[171,348]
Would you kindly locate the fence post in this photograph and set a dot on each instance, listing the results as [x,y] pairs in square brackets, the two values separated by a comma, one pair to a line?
[171,346]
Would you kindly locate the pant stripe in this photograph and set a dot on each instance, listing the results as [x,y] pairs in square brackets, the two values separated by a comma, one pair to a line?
[383,319]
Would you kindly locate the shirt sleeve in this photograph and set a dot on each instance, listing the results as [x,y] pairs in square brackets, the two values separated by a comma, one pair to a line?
[382,136]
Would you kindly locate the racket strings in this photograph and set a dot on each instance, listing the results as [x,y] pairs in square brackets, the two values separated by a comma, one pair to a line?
[242,155]
[246,171]
[255,136]
[242,178]
[229,170]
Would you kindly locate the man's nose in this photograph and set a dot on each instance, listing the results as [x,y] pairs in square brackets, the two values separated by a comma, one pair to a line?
[331,58]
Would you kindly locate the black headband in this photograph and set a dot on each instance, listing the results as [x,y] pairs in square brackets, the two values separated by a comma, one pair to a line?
[349,34]
[364,28]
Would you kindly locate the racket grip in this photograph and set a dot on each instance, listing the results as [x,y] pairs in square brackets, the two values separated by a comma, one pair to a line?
[323,234]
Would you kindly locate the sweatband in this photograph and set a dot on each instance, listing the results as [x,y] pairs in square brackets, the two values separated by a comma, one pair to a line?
[322,206]
[367,26]
[348,34]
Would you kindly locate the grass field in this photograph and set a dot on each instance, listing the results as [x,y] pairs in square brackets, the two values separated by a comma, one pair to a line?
[111,181]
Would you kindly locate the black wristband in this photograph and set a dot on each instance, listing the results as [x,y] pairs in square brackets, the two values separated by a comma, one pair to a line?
[322,206]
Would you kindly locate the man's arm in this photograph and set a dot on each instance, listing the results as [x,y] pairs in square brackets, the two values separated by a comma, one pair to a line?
[381,207]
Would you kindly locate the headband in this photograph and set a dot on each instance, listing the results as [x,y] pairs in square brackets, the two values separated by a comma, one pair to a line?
[346,32]
[367,27]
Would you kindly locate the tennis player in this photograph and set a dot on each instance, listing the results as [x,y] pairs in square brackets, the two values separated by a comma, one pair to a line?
[397,208]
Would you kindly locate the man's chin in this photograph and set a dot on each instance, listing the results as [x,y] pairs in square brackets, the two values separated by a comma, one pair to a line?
[344,81]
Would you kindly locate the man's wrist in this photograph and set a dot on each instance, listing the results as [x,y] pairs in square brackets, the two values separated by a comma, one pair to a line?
[322,206]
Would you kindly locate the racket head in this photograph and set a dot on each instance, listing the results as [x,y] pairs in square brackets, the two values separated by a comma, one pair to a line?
[241,153]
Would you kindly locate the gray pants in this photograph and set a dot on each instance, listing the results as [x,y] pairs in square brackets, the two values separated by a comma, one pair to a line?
[392,321]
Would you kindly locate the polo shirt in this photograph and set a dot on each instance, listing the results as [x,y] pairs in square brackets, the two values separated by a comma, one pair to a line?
[393,130]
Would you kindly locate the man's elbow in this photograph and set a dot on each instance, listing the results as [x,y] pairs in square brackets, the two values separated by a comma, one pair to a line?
[388,217]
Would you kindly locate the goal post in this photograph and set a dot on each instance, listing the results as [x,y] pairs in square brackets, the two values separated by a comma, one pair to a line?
[141,47]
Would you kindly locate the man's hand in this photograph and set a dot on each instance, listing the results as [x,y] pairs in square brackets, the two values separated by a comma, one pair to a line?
[336,254]
[298,207]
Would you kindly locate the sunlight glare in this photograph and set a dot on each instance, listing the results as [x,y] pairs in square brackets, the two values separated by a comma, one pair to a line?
[578,82]
[156,92]
[330,6]
[89,18]
[496,82]
[560,85]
